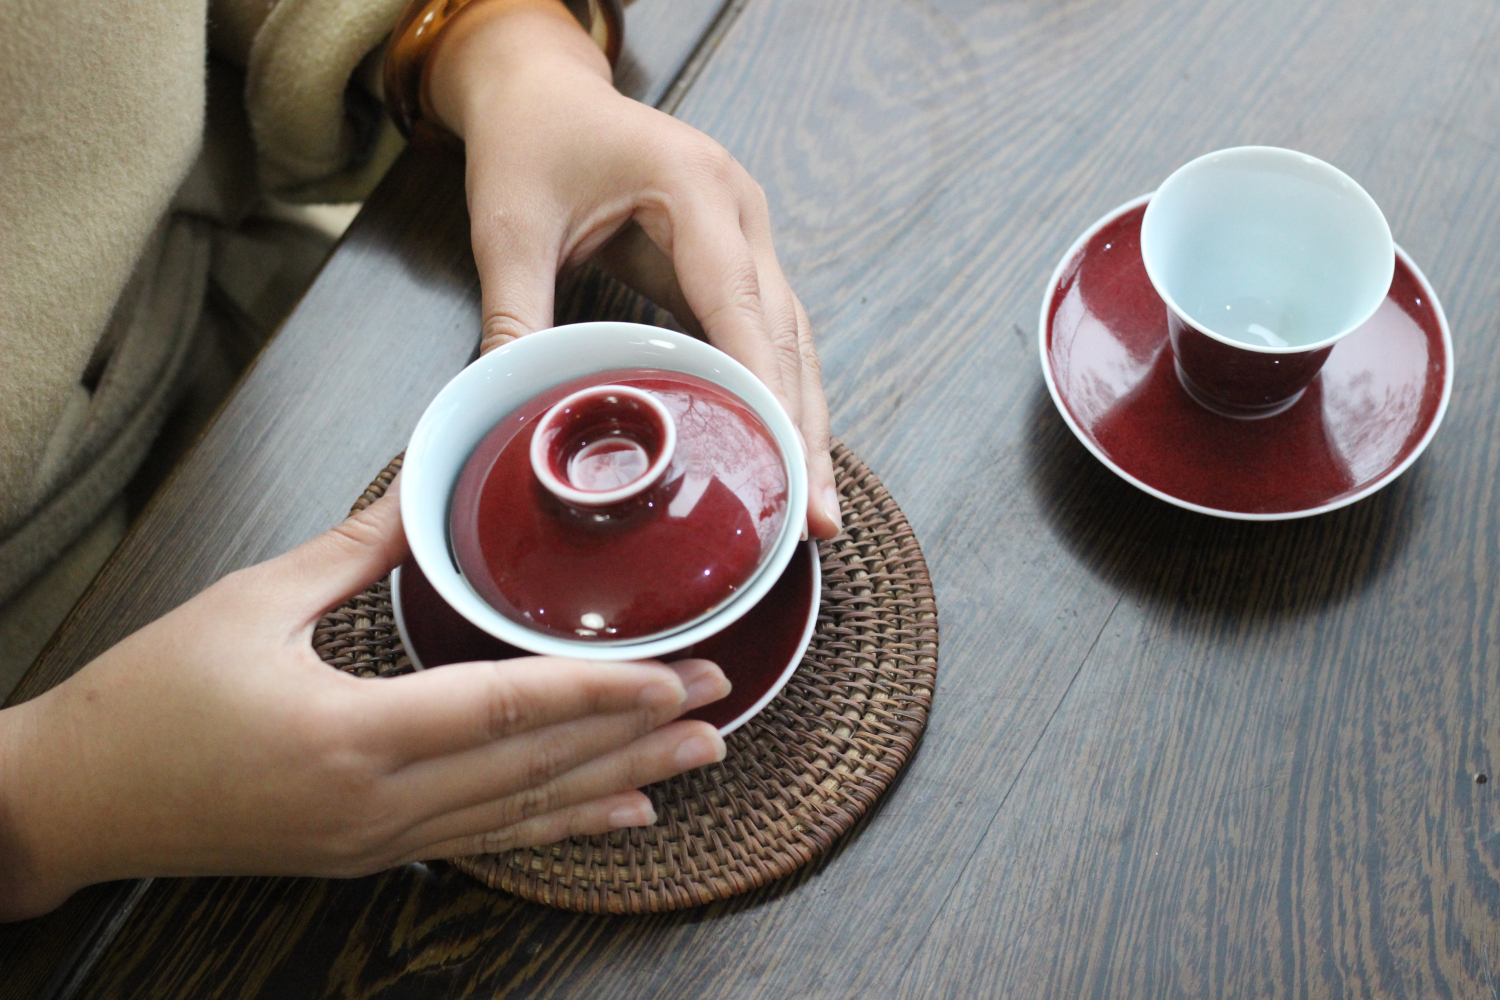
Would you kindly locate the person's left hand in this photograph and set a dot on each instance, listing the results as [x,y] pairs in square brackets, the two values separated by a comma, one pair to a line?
[560,163]
[215,741]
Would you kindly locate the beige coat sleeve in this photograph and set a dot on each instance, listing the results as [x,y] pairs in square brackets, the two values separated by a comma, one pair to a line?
[317,138]
[93,149]
[103,250]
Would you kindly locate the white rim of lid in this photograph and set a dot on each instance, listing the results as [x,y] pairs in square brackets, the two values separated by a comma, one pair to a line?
[541,463]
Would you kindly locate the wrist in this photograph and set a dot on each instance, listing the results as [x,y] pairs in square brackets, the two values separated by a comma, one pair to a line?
[425,25]
[38,863]
[489,45]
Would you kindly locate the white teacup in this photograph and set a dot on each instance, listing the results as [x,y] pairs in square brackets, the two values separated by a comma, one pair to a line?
[1266,258]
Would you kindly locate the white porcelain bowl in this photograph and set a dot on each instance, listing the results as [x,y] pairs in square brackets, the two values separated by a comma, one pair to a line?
[483,393]
[1267,250]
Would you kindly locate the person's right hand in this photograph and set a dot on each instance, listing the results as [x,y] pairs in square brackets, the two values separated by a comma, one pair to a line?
[214,741]
[562,167]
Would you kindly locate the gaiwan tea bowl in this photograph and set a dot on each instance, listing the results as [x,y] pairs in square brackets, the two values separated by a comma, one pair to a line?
[604,490]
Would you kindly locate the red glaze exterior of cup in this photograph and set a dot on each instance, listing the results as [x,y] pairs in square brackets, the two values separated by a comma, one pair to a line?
[1235,381]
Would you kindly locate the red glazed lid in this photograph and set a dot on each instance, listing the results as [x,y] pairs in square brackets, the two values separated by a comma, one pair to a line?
[621,506]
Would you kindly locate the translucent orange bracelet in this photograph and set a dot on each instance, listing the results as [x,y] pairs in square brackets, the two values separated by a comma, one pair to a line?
[422,22]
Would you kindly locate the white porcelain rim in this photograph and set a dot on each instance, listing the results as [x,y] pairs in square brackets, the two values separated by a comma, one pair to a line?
[808,628]
[603,498]
[1267,348]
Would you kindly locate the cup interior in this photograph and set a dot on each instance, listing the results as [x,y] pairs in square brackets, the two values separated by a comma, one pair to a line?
[497,384]
[1268,249]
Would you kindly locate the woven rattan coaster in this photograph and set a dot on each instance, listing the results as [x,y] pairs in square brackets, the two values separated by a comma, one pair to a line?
[796,777]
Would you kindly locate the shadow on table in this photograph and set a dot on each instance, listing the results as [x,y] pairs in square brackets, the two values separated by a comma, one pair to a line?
[1151,548]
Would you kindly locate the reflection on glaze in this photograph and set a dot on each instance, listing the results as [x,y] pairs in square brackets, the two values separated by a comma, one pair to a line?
[730,446]
[1372,390]
[1108,369]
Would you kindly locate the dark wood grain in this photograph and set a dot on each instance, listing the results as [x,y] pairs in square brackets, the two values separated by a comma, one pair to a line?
[1170,755]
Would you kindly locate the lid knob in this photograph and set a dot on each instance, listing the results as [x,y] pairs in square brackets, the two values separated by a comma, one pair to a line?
[603,445]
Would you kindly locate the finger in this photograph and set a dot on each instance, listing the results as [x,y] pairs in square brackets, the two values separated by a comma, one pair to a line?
[797,375]
[452,709]
[632,258]
[517,259]
[778,302]
[670,750]
[720,280]
[326,570]
[824,517]
[612,812]
[528,761]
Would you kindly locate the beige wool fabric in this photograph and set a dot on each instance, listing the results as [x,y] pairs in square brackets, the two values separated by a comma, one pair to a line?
[110,200]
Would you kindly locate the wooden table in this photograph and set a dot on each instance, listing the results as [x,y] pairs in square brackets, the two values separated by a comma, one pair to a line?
[1170,755]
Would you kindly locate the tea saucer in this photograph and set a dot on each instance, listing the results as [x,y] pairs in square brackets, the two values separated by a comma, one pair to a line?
[758,653]
[1361,423]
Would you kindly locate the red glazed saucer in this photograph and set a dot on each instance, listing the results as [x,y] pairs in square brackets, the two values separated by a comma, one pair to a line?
[758,653]
[1364,419]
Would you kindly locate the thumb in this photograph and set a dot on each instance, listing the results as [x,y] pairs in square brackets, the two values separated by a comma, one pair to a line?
[517,280]
[321,573]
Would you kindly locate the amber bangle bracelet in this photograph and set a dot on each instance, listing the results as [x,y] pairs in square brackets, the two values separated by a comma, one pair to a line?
[420,26]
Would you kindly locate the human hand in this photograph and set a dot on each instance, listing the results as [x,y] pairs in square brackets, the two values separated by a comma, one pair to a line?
[214,741]
[560,163]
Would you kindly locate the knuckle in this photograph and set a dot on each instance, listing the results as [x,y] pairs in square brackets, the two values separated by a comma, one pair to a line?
[346,819]
[783,334]
[812,366]
[332,736]
[500,328]
[536,800]
[744,280]
[641,767]
[810,359]
[509,710]
[351,779]
[597,694]
[546,759]
[709,159]
[496,841]
[357,828]
[355,533]
[543,764]
[816,434]
[579,823]
[350,851]
[757,196]
[755,207]
[742,285]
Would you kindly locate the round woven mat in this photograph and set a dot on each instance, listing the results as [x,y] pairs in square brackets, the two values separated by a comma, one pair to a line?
[795,778]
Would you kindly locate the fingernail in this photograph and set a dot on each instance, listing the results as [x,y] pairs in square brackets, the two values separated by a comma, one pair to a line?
[804,531]
[831,507]
[704,681]
[709,685]
[632,815]
[662,694]
[696,751]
